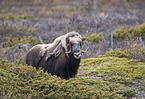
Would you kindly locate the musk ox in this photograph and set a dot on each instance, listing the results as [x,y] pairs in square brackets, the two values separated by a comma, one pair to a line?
[61,58]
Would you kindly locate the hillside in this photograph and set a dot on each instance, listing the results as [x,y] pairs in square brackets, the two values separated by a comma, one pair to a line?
[103,77]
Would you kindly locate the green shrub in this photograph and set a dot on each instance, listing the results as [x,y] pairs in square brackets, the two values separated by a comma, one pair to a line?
[11,17]
[26,82]
[93,37]
[136,52]
[18,81]
[116,53]
[24,16]
[12,42]
[133,32]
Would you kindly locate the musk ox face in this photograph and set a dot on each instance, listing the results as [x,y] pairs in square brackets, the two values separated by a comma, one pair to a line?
[74,46]
[76,50]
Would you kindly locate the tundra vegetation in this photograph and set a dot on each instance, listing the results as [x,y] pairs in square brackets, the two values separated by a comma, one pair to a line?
[102,73]
[102,77]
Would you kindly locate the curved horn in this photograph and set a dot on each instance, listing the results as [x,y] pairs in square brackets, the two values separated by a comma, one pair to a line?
[85,51]
[70,48]
[68,52]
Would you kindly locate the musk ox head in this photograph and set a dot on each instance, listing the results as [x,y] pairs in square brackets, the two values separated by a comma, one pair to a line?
[71,43]
[74,46]
[74,42]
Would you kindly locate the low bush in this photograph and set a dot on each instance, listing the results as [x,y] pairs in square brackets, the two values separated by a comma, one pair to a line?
[132,32]
[116,53]
[12,42]
[12,17]
[18,81]
[93,37]
[134,52]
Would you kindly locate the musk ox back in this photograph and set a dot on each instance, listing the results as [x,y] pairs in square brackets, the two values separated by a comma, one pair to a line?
[61,58]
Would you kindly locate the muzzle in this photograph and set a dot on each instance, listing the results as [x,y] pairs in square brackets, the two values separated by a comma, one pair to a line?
[76,50]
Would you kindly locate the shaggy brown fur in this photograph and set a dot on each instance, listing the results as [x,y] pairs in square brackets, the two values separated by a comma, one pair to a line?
[53,57]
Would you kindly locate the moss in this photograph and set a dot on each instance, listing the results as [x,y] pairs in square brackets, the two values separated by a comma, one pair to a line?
[124,67]
[128,93]
[113,69]
[122,80]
